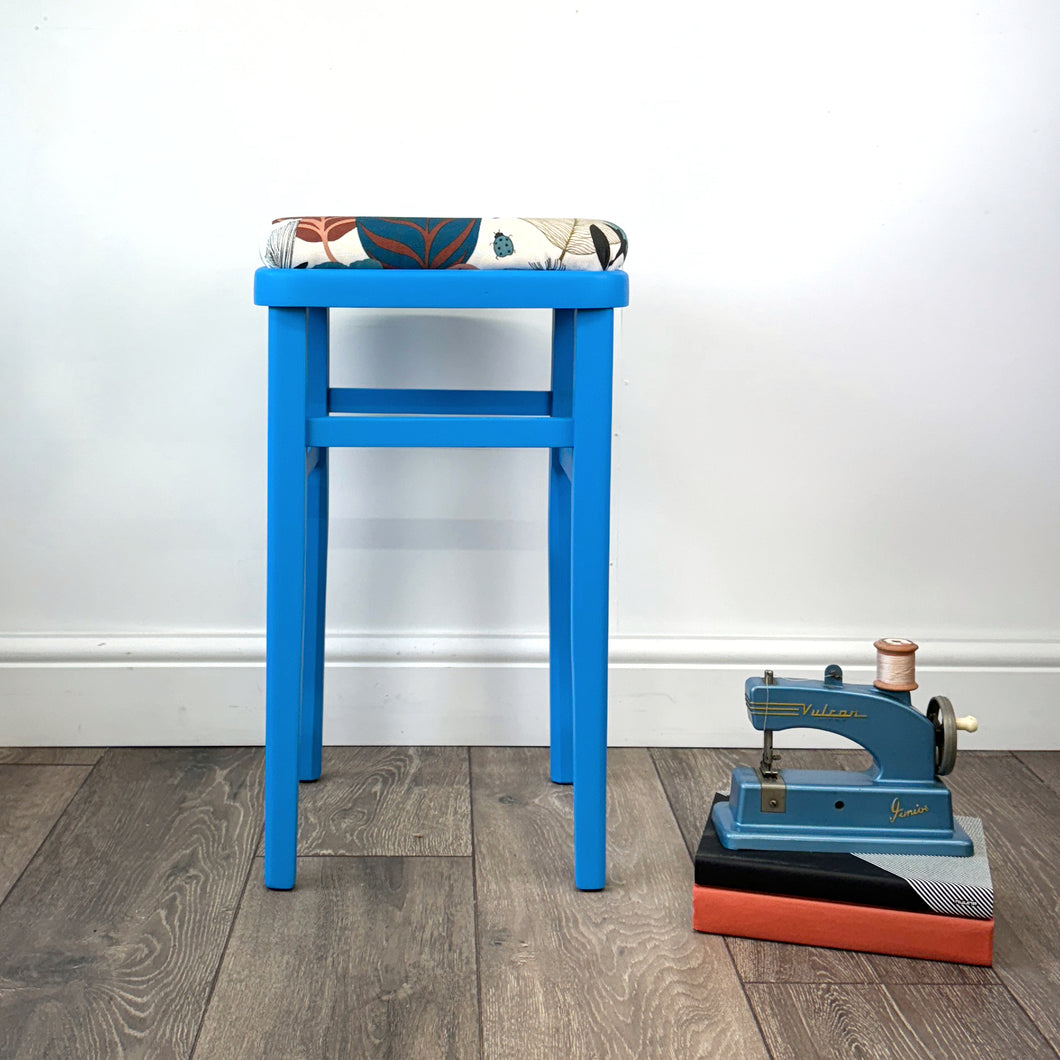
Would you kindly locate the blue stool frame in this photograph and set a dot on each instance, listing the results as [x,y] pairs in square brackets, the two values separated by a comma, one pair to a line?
[307,417]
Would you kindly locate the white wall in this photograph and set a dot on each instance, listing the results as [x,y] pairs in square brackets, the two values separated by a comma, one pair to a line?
[835,386]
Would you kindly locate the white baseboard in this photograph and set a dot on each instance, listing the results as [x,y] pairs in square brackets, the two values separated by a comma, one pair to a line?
[208,689]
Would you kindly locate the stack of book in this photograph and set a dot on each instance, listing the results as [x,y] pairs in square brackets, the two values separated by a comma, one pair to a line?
[937,908]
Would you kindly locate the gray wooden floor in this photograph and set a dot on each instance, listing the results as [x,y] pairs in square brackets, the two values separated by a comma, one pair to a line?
[435,917]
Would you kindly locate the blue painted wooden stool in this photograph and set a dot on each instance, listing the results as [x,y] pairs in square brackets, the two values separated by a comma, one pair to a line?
[307,417]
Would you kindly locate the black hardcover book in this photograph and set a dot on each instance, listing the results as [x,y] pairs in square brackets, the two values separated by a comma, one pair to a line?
[917,883]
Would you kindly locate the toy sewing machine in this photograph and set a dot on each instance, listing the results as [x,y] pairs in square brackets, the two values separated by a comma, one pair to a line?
[897,806]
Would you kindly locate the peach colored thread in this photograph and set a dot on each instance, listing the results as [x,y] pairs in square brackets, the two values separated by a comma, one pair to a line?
[895,664]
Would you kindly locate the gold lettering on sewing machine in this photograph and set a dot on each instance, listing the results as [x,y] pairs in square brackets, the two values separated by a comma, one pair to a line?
[897,812]
[827,712]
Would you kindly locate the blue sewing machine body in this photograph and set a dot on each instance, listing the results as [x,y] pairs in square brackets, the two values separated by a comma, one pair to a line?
[897,806]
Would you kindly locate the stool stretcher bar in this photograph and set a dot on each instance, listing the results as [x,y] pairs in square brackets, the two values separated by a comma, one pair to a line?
[441,402]
[446,432]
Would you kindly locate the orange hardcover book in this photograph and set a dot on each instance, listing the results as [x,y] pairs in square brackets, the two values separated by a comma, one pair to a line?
[841,925]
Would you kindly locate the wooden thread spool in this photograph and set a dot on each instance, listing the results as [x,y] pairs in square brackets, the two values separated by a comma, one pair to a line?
[895,664]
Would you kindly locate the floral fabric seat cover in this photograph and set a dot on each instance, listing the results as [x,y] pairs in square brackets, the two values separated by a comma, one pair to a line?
[444,243]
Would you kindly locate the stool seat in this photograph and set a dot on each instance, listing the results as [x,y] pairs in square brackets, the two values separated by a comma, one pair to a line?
[548,244]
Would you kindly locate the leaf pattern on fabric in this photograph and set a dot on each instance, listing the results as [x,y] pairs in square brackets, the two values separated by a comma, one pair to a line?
[340,241]
[564,234]
[574,235]
[369,264]
[322,230]
[278,252]
[419,242]
[603,248]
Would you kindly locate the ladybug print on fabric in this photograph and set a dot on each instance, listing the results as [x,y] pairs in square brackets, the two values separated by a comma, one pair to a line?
[503,246]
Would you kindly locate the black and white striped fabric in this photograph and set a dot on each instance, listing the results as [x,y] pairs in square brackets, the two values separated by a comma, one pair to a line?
[949,886]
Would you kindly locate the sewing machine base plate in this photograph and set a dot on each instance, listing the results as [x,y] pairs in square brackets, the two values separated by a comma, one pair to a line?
[841,811]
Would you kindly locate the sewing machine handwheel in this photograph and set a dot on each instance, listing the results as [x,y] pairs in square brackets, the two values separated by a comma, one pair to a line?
[940,714]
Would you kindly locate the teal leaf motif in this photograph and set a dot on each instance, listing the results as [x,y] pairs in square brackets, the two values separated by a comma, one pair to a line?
[419,242]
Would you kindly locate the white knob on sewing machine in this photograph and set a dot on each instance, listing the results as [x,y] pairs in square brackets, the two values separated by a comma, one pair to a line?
[967,723]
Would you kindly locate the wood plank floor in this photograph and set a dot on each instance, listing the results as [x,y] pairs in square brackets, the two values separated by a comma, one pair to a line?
[435,916]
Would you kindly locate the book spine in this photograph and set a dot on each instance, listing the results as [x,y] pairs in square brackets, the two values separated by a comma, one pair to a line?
[867,929]
[827,884]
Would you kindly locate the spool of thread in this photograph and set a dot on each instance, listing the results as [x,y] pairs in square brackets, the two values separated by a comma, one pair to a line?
[895,664]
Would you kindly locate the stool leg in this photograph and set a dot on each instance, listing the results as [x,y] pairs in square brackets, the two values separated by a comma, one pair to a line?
[311,723]
[561,692]
[590,507]
[286,589]
[311,726]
